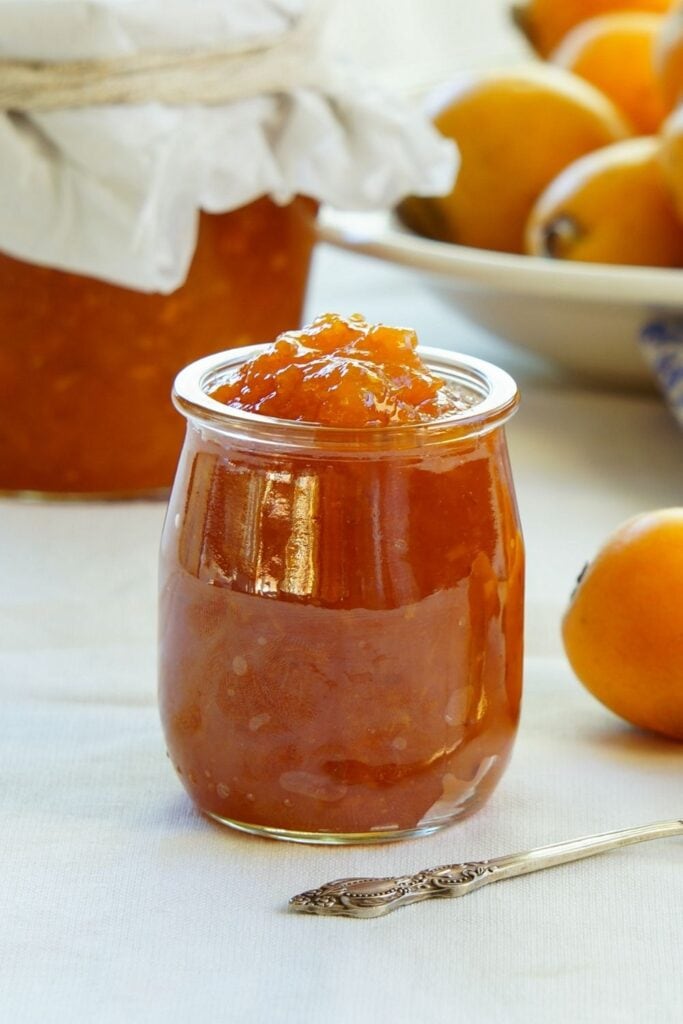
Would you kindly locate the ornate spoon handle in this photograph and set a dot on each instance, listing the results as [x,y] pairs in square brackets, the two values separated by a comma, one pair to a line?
[372,897]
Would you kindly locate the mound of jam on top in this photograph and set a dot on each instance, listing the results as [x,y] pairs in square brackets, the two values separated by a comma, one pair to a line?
[341,612]
[343,372]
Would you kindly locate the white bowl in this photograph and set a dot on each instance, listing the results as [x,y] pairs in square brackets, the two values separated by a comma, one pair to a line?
[591,318]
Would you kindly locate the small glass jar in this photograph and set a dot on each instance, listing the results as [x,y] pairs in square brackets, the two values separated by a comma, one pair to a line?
[341,613]
[86,367]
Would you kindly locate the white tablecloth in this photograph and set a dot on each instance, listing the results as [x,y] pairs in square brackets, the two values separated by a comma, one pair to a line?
[119,903]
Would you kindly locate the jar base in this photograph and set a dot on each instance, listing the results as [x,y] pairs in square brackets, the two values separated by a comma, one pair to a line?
[38,496]
[335,838]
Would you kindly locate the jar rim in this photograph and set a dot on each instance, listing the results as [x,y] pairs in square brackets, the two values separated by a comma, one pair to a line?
[497,391]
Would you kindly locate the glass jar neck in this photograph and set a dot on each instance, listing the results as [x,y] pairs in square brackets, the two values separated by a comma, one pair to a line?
[494,399]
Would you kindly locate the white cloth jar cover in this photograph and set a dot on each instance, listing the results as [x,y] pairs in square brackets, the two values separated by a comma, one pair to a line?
[245,99]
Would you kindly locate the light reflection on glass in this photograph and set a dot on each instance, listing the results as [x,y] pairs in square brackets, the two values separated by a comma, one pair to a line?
[301,551]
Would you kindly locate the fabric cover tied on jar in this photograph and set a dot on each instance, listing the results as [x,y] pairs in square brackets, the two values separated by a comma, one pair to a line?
[121,119]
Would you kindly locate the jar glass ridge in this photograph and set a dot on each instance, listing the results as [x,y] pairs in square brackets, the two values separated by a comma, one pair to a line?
[341,614]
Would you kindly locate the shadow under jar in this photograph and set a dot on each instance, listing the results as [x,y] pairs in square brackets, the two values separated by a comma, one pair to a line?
[341,613]
[86,367]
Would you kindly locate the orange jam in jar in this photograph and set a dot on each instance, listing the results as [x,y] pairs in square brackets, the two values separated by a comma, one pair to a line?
[341,586]
[86,367]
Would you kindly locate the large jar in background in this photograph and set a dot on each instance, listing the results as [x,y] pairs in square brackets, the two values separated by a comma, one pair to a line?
[119,131]
[86,367]
[341,613]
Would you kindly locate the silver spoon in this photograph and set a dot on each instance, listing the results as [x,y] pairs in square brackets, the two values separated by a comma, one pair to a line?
[372,897]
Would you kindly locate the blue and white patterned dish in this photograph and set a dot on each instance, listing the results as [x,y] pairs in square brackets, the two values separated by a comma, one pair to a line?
[661,341]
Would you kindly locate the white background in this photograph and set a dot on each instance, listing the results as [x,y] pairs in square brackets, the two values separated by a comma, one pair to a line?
[118,903]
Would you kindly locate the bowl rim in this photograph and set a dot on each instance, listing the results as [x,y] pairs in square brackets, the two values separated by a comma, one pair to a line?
[380,234]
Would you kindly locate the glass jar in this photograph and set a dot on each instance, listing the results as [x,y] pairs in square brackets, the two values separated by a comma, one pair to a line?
[86,367]
[341,613]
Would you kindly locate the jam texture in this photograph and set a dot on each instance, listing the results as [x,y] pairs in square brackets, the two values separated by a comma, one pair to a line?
[86,367]
[342,372]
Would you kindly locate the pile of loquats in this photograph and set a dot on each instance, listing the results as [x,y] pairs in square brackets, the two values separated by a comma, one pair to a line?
[578,155]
